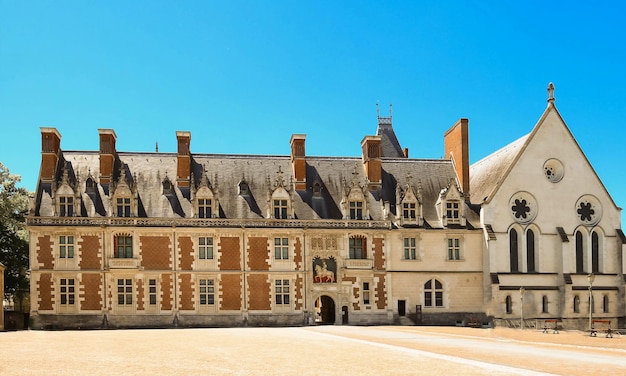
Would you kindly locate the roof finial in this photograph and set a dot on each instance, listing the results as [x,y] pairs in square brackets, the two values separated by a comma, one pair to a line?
[157,147]
[377,109]
[390,110]
[550,92]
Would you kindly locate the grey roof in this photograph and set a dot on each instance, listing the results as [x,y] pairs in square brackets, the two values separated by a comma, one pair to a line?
[261,172]
[487,173]
[389,142]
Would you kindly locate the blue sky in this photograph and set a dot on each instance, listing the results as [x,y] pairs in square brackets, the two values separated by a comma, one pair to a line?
[243,76]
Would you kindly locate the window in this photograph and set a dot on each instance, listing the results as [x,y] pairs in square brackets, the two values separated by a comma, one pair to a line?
[595,253]
[409,249]
[454,249]
[366,293]
[576,304]
[123,206]
[605,304]
[433,293]
[280,209]
[282,292]
[152,291]
[124,246]
[579,253]
[66,206]
[207,292]
[168,187]
[67,291]
[544,304]
[513,250]
[408,210]
[205,248]
[124,291]
[530,251]
[205,209]
[317,189]
[281,248]
[66,246]
[452,211]
[357,248]
[356,209]
[244,189]
[508,305]
[90,186]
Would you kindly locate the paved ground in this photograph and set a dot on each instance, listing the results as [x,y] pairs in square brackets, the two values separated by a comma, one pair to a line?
[323,350]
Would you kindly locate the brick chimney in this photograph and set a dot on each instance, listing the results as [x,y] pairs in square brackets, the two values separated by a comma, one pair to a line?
[456,145]
[50,148]
[107,155]
[183,171]
[298,160]
[372,151]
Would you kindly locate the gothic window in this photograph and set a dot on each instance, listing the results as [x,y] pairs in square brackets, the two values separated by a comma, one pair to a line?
[409,210]
[530,251]
[90,186]
[433,293]
[513,250]
[356,209]
[580,252]
[595,253]
[66,206]
[317,189]
[168,187]
[357,248]
[544,304]
[605,304]
[123,206]
[205,208]
[576,304]
[244,190]
[508,306]
[280,209]
[452,212]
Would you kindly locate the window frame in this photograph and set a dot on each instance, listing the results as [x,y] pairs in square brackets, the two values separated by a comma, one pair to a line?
[366,293]
[355,209]
[453,248]
[281,208]
[355,250]
[453,212]
[282,293]
[281,248]
[431,290]
[205,207]
[66,206]
[67,248]
[206,292]
[121,250]
[205,249]
[409,210]
[123,206]
[410,249]
[67,292]
[125,290]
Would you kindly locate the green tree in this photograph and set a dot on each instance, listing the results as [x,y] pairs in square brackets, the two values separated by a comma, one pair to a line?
[13,235]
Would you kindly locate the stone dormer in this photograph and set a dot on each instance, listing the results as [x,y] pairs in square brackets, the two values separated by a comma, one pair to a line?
[280,197]
[409,210]
[451,206]
[205,197]
[354,198]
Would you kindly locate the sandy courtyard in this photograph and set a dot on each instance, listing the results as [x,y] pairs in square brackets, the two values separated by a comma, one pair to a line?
[324,350]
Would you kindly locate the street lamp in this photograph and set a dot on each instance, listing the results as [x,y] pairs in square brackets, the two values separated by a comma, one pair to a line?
[521,297]
[591,278]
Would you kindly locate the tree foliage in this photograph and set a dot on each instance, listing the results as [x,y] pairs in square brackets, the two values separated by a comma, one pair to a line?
[13,235]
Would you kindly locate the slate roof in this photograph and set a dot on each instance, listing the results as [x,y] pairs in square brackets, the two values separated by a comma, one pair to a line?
[389,142]
[260,172]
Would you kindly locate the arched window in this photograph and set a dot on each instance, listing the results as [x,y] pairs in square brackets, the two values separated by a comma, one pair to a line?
[90,186]
[605,304]
[508,304]
[168,187]
[579,253]
[576,304]
[530,250]
[433,293]
[544,304]
[513,250]
[595,253]
[244,189]
[317,189]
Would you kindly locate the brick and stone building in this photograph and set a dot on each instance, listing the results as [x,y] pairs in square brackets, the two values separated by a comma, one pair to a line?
[136,239]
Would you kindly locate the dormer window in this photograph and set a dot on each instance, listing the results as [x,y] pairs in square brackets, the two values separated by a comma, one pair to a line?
[123,206]
[66,206]
[280,209]
[317,189]
[244,189]
[356,209]
[205,208]
[452,212]
[168,187]
[409,210]
[90,186]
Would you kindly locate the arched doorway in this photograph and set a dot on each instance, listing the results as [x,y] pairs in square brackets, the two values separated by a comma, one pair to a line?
[325,307]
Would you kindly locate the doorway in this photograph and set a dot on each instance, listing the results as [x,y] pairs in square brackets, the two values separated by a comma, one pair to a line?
[325,306]
[402,308]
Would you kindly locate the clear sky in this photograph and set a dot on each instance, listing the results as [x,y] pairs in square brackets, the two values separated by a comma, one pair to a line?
[243,76]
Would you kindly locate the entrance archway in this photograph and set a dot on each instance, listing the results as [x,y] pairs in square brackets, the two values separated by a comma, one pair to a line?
[325,307]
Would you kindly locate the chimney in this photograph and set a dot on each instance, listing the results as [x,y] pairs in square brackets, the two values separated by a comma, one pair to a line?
[50,148]
[107,155]
[298,160]
[372,151]
[456,145]
[183,172]
[405,152]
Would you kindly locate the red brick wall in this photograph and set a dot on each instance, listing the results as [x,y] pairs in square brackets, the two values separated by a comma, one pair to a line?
[230,255]
[259,290]
[231,292]
[185,246]
[258,254]
[456,143]
[298,293]
[155,252]
[89,252]
[297,254]
[44,253]
[186,292]
[44,285]
[379,256]
[91,292]
[166,292]
[381,296]
[141,294]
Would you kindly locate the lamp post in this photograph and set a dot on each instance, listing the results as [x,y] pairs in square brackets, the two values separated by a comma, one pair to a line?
[591,278]
[521,297]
